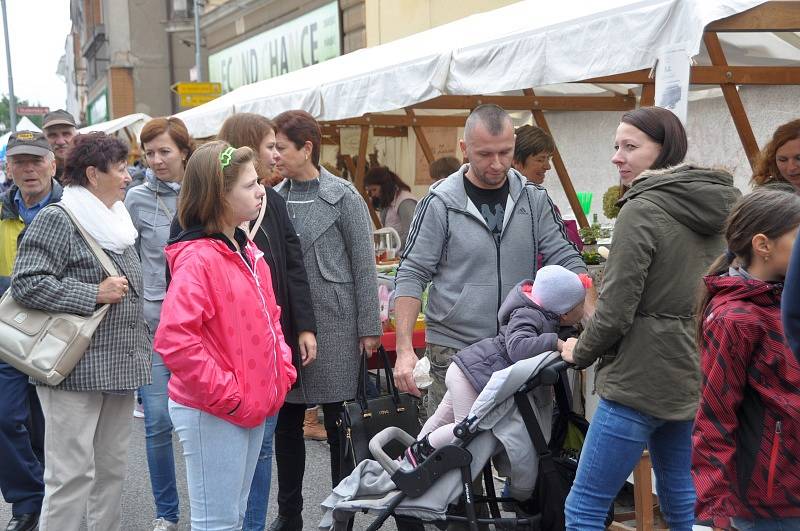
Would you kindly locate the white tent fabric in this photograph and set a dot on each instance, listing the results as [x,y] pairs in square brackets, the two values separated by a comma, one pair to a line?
[526,44]
[112,126]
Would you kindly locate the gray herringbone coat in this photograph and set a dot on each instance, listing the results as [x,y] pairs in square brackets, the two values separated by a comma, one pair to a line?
[340,261]
[55,270]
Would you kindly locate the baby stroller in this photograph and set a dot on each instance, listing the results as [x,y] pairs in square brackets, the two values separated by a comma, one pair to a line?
[510,422]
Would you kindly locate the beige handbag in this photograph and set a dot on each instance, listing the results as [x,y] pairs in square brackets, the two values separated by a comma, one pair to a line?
[48,345]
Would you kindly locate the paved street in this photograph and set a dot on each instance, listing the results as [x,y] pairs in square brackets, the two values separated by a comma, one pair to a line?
[137,502]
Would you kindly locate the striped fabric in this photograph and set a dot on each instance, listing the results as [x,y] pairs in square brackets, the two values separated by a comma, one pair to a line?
[56,271]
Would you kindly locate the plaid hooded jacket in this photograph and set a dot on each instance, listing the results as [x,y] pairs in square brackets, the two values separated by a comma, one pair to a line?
[747,432]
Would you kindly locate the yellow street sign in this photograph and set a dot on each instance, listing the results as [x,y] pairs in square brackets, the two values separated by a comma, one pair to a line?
[185,88]
[193,100]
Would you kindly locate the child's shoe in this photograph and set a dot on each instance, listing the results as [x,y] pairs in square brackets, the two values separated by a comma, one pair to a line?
[418,452]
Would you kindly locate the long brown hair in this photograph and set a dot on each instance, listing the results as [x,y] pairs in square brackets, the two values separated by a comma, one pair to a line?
[772,213]
[202,197]
[248,129]
[766,169]
[389,182]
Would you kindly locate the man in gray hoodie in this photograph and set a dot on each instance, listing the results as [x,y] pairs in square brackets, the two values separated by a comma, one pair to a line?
[473,238]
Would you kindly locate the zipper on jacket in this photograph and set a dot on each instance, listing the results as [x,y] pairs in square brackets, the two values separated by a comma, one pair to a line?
[269,321]
[773,459]
[497,239]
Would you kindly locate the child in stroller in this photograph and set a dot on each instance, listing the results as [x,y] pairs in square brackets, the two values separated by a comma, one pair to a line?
[532,317]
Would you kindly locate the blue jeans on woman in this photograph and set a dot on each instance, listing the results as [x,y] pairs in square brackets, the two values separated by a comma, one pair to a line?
[617,436]
[220,461]
[158,429]
[255,518]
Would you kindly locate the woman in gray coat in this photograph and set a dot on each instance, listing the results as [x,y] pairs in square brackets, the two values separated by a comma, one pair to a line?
[88,415]
[332,222]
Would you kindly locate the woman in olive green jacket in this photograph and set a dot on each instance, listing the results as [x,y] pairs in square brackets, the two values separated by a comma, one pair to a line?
[668,232]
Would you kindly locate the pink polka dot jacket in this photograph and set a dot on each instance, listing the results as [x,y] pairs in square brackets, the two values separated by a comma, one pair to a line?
[220,332]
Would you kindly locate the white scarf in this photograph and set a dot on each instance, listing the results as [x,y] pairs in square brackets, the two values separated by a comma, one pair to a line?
[111,227]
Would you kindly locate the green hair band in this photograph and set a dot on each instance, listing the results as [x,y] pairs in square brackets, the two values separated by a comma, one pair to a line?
[226,156]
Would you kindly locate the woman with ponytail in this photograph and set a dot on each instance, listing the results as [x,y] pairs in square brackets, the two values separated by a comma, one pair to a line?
[747,429]
[668,231]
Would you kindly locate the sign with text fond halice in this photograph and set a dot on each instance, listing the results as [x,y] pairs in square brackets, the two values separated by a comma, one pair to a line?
[304,41]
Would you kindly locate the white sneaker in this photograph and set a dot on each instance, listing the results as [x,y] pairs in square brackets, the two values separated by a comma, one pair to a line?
[162,524]
[138,412]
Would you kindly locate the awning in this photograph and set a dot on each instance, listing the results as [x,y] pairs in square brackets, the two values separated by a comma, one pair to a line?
[523,45]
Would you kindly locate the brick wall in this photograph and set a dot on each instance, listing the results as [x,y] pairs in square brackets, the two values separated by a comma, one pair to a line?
[121,92]
[354,27]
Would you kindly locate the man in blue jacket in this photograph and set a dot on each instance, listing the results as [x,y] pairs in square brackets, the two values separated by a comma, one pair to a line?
[32,166]
[473,238]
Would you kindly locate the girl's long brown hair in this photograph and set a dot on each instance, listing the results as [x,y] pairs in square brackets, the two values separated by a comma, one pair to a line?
[772,213]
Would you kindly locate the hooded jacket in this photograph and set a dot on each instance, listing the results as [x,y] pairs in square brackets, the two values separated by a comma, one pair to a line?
[220,333]
[469,270]
[526,330]
[12,228]
[668,233]
[152,205]
[747,432]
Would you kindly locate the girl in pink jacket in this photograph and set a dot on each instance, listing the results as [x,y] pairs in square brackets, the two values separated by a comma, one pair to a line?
[220,335]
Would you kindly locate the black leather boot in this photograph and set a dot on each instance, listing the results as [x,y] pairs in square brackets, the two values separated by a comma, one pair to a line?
[287,523]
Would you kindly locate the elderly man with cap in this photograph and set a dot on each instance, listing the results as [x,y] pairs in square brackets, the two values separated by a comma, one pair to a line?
[32,166]
[59,128]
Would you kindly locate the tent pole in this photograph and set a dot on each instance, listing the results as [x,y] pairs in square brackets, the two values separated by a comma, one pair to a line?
[361,170]
[561,169]
[733,100]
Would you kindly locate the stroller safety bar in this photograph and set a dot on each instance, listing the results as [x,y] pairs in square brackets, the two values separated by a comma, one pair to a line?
[384,437]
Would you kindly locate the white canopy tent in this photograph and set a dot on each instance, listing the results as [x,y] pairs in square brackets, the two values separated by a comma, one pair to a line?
[534,57]
[135,121]
[522,45]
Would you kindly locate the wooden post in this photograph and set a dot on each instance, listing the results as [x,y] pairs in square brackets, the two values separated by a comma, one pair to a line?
[732,98]
[561,169]
[361,170]
[648,98]
[643,493]
[422,140]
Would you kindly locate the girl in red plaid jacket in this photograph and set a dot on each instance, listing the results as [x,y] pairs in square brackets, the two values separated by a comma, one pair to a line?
[747,432]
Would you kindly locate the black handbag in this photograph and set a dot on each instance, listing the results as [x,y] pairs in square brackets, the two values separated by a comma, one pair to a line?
[364,417]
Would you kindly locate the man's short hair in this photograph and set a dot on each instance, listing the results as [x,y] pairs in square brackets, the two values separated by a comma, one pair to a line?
[493,117]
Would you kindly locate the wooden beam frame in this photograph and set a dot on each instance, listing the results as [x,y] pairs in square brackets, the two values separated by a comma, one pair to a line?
[648,98]
[715,75]
[769,16]
[527,102]
[732,99]
[422,140]
[561,168]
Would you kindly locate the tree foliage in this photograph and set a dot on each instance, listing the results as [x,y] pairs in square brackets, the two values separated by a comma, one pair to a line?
[5,116]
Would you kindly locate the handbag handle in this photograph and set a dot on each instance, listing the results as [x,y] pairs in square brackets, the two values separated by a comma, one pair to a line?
[105,261]
[361,391]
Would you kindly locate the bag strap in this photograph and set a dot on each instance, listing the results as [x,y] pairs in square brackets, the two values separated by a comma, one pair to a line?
[170,214]
[252,232]
[101,255]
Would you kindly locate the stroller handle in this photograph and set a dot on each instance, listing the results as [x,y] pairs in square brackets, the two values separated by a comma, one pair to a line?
[384,437]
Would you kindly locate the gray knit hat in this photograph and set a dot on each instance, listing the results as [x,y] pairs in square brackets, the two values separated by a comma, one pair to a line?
[557,289]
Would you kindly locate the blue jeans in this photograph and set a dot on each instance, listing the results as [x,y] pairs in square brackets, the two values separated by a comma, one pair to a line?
[158,429]
[158,442]
[786,524]
[21,442]
[617,436]
[255,518]
[220,461]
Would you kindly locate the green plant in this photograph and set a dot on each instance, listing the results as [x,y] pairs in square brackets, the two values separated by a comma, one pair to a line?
[610,198]
[589,235]
[591,257]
